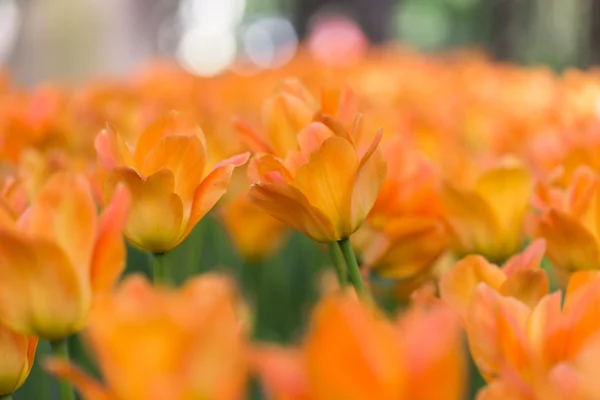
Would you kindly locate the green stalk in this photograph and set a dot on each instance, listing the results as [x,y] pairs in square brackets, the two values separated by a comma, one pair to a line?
[340,265]
[353,269]
[6,397]
[60,348]
[159,269]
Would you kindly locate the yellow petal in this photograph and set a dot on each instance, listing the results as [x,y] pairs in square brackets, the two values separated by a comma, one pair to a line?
[212,188]
[65,213]
[371,174]
[570,246]
[458,285]
[287,204]
[109,252]
[155,221]
[327,181]
[111,149]
[285,115]
[527,286]
[185,157]
[40,292]
[16,359]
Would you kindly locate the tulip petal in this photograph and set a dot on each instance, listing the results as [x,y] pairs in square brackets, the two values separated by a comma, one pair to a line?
[155,221]
[111,149]
[508,190]
[40,292]
[570,246]
[285,115]
[327,181]
[212,188]
[65,213]
[268,168]
[527,286]
[281,372]
[14,359]
[88,387]
[108,259]
[458,285]
[370,176]
[311,137]
[289,205]
[185,157]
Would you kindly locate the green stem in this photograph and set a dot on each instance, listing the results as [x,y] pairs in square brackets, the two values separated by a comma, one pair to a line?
[339,263]
[60,348]
[353,269]
[6,397]
[158,268]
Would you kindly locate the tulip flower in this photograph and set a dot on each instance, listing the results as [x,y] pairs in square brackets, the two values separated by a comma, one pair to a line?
[166,174]
[548,351]
[353,352]
[326,189]
[17,352]
[566,219]
[520,277]
[489,219]
[158,343]
[58,256]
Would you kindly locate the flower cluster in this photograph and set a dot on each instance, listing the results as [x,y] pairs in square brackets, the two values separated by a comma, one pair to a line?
[469,190]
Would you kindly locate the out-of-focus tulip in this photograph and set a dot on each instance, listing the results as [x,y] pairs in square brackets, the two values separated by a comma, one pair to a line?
[354,352]
[170,184]
[58,255]
[520,277]
[567,219]
[326,189]
[156,343]
[255,233]
[489,219]
[547,351]
[17,352]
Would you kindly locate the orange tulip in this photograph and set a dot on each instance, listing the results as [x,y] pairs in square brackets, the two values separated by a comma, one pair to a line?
[17,352]
[157,344]
[326,189]
[57,256]
[353,352]
[166,174]
[541,352]
[489,220]
[567,220]
[520,277]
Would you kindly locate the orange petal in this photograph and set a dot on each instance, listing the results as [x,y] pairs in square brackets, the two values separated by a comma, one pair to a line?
[88,387]
[212,188]
[311,137]
[171,124]
[579,283]
[285,115]
[111,149]
[458,285]
[40,292]
[254,142]
[155,221]
[352,353]
[327,181]
[287,204]
[281,372]
[507,189]
[530,259]
[370,176]
[185,157]
[473,223]
[268,168]
[527,286]
[496,330]
[65,213]
[570,246]
[108,260]
[16,363]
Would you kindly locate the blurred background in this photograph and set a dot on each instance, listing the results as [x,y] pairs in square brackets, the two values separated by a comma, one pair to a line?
[69,40]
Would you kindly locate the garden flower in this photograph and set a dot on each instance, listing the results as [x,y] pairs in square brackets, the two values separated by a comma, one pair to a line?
[17,352]
[58,255]
[326,189]
[167,175]
[520,277]
[567,220]
[489,219]
[547,351]
[354,352]
[156,343]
